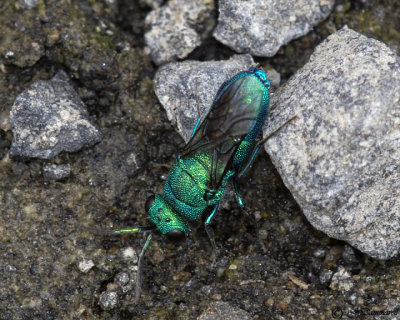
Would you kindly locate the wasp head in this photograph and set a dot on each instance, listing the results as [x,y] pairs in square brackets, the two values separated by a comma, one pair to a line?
[165,217]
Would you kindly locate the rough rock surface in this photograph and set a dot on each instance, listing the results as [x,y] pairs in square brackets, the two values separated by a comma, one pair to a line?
[261,27]
[48,118]
[340,157]
[177,28]
[220,310]
[182,86]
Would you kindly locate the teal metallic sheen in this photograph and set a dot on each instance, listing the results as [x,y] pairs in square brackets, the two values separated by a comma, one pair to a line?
[211,159]
[164,216]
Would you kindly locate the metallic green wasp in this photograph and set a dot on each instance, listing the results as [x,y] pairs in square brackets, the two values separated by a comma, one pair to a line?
[220,150]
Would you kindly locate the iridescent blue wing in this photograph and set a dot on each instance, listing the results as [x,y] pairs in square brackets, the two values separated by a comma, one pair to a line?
[239,106]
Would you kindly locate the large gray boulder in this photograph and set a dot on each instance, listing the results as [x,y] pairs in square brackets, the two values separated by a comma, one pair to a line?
[341,157]
[261,27]
[48,118]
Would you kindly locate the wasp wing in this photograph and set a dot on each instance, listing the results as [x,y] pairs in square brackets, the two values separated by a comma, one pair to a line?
[233,113]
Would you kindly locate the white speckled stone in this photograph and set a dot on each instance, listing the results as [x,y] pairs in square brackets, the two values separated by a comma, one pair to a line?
[341,157]
[85,265]
[129,254]
[49,118]
[261,27]
[177,28]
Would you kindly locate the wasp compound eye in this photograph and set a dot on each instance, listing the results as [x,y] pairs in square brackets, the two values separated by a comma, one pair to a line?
[149,202]
[175,235]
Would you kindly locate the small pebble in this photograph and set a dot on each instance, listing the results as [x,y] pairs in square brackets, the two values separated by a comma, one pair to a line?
[121,278]
[325,276]
[85,265]
[216,296]
[319,253]
[56,171]
[341,280]
[108,300]
[129,254]
[269,302]
[282,305]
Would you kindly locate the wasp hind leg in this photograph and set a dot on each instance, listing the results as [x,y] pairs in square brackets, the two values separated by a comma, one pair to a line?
[241,204]
[248,164]
[241,172]
[238,197]
[210,233]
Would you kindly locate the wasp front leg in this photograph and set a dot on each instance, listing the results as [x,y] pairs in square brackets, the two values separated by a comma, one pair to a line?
[210,233]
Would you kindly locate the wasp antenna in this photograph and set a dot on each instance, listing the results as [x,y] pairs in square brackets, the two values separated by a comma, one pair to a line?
[140,268]
[97,231]
[197,97]
[275,131]
[133,230]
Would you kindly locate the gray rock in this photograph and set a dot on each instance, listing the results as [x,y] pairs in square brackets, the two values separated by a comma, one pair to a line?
[129,254]
[340,157]
[177,28]
[220,310]
[325,276]
[182,86]
[56,171]
[125,282]
[348,255]
[108,300]
[341,280]
[122,278]
[85,265]
[49,118]
[319,253]
[261,27]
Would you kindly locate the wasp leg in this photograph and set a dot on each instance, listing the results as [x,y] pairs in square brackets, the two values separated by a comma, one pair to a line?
[210,233]
[238,197]
[242,171]
[241,204]
[139,270]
